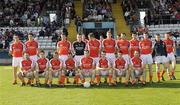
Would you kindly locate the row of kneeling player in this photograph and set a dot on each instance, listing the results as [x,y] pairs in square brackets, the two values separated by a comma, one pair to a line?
[87,68]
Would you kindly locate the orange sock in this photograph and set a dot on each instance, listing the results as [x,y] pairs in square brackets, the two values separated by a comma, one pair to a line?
[150,77]
[83,80]
[158,75]
[29,81]
[110,78]
[62,79]
[162,74]
[172,72]
[76,79]
[98,78]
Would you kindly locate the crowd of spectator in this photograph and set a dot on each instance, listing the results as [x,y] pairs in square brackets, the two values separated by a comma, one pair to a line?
[129,11]
[20,12]
[97,10]
[163,12]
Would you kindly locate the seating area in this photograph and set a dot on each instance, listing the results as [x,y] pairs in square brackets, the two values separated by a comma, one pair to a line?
[129,11]
[20,12]
[46,43]
[163,28]
[163,12]
[97,10]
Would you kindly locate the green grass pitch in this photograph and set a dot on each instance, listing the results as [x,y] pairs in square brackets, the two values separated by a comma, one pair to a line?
[165,93]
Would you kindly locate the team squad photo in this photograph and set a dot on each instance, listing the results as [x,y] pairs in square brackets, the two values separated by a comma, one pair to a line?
[89,52]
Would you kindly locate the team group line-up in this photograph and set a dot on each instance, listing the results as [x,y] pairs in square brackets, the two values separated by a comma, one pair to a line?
[93,58]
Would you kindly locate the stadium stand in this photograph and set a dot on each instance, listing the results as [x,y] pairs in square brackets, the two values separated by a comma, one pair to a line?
[20,12]
[97,10]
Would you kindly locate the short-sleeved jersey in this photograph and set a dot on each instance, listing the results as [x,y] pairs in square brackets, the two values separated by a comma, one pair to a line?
[31,47]
[79,47]
[64,47]
[103,63]
[70,64]
[109,45]
[17,49]
[169,45]
[136,62]
[123,46]
[56,64]
[94,47]
[119,63]
[134,46]
[42,63]
[146,46]
[26,65]
[87,63]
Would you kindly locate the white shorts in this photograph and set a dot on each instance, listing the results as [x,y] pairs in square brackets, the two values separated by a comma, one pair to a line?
[126,58]
[171,57]
[147,58]
[161,59]
[137,73]
[27,74]
[63,58]
[56,74]
[104,72]
[111,57]
[16,61]
[43,74]
[78,59]
[96,60]
[121,73]
[87,73]
[34,58]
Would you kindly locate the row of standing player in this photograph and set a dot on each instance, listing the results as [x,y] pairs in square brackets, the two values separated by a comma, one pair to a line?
[108,45]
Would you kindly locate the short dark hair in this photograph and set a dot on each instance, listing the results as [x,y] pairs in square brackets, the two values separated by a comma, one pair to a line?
[157,35]
[42,51]
[55,52]
[103,52]
[16,35]
[91,35]
[86,51]
[133,33]
[123,34]
[30,34]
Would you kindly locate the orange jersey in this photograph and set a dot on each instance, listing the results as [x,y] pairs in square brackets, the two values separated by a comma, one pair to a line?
[136,62]
[17,49]
[56,64]
[94,47]
[119,63]
[42,63]
[109,45]
[31,47]
[70,64]
[26,65]
[103,63]
[87,63]
[146,46]
[64,47]
[169,45]
[134,46]
[123,46]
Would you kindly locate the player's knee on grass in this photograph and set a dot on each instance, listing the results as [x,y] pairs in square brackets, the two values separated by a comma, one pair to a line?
[19,74]
[29,75]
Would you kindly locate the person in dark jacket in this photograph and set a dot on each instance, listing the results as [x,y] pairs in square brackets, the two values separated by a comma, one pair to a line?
[160,56]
